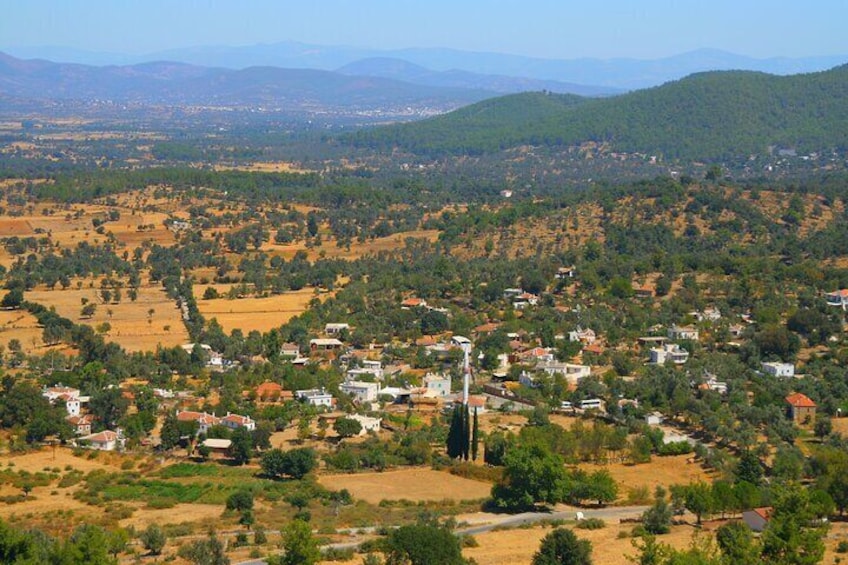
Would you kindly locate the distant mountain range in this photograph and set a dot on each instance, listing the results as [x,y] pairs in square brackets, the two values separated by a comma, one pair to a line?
[284,90]
[722,115]
[611,74]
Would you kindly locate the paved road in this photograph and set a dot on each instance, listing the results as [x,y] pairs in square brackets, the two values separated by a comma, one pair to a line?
[488,522]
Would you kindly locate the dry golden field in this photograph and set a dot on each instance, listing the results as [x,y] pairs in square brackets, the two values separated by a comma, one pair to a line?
[410,484]
[132,324]
[21,325]
[250,313]
[665,471]
[330,250]
[509,547]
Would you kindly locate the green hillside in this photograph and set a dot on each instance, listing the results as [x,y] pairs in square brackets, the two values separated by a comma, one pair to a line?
[714,115]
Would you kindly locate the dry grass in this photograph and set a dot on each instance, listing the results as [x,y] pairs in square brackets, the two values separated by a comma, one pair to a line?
[663,471]
[21,325]
[247,314]
[131,325]
[409,484]
[330,250]
[518,546]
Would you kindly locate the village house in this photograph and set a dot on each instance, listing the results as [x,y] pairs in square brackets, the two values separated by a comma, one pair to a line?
[360,391]
[708,314]
[571,371]
[107,440]
[801,408]
[586,336]
[369,368]
[336,329]
[838,298]
[654,419]
[565,272]
[68,396]
[325,344]
[81,424]
[714,385]
[316,397]
[757,518]
[411,303]
[213,358]
[219,447]
[272,392]
[777,369]
[235,421]
[669,352]
[437,385]
[643,292]
[683,332]
[368,423]
[204,420]
[290,350]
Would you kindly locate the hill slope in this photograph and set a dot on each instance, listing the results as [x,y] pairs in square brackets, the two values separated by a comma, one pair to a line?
[716,115]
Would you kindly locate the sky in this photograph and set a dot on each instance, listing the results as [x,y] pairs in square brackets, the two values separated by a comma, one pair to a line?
[556,29]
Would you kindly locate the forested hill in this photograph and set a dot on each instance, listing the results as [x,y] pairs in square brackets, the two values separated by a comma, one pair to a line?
[714,115]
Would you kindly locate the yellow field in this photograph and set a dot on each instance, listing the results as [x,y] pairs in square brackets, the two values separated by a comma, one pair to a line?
[21,325]
[409,484]
[663,471]
[247,314]
[518,546]
[131,325]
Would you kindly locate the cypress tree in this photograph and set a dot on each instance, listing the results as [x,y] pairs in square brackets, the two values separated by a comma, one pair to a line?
[475,437]
[454,440]
[466,432]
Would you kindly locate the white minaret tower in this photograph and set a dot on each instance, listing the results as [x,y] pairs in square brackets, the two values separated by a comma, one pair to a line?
[466,348]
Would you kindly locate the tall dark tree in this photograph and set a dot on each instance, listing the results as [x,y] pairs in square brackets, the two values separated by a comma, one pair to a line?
[475,437]
[454,439]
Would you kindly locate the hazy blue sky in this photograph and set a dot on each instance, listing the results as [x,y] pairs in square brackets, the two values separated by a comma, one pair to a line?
[543,28]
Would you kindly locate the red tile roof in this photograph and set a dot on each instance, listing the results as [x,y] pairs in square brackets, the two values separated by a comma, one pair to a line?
[798,400]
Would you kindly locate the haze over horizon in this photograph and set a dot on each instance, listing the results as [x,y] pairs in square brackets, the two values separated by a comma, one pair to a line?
[541,28]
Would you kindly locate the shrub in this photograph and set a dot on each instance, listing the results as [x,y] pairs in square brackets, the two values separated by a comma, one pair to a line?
[591,524]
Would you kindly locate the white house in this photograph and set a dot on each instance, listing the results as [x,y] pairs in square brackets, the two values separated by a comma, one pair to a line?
[714,385]
[235,421]
[584,336]
[777,369]
[315,397]
[360,390]
[336,329]
[368,424]
[592,404]
[571,371]
[214,359]
[204,420]
[69,396]
[654,419]
[325,344]
[437,385]
[669,352]
[460,341]
[683,332]
[370,368]
[107,440]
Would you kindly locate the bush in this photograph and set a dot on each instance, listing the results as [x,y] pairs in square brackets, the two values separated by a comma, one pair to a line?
[842,547]
[591,524]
